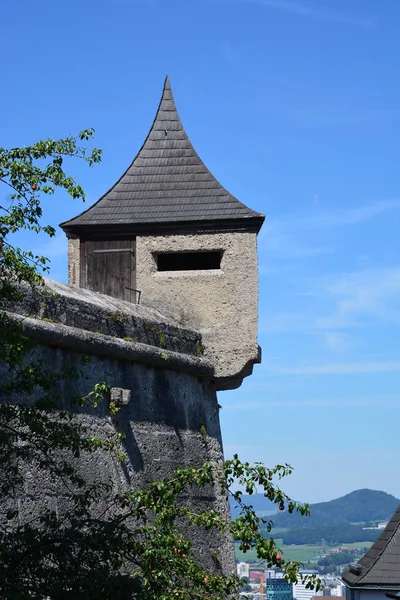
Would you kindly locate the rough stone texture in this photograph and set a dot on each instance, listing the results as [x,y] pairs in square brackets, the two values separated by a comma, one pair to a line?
[167,398]
[221,304]
[104,321]
[74,261]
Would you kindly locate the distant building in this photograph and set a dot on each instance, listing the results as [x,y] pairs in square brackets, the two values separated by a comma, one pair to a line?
[257,576]
[377,574]
[273,574]
[242,569]
[300,592]
[339,590]
[278,589]
[324,595]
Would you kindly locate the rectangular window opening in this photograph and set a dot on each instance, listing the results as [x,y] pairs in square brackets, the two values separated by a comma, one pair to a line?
[188,261]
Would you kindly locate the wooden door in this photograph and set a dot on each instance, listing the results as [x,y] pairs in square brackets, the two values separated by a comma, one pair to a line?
[109,268]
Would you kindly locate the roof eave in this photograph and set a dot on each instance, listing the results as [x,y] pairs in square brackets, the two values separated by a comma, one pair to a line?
[370,586]
[118,230]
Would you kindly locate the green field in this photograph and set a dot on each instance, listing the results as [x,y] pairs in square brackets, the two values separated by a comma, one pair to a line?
[302,553]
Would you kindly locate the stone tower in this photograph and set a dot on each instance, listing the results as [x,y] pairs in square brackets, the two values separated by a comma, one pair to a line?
[167,234]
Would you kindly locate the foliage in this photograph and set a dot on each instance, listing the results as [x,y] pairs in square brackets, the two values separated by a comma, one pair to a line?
[245,585]
[259,502]
[25,172]
[101,543]
[337,558]
[334,534]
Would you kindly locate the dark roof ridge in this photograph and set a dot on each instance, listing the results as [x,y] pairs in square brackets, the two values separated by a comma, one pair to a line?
[386,546]
[178,187]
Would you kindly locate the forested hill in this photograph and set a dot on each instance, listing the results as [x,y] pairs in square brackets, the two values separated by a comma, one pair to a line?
[361,506]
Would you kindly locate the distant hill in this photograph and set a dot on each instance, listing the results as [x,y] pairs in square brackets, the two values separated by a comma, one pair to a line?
[257,501]
[361,506]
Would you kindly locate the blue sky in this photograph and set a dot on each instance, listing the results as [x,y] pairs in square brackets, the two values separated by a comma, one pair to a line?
[294,106]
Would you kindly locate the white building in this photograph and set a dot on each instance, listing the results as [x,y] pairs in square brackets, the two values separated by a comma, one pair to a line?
[273,574]
[300,592]
[339,590]
[243,569]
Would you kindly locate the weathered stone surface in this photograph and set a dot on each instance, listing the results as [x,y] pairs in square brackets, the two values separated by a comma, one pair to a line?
[167,398]
[94,313]
[74,261]
[221,304]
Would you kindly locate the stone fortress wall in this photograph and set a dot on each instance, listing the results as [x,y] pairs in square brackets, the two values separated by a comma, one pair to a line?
[166,389]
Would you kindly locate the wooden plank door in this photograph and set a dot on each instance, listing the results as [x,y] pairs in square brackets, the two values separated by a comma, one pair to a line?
[109,267]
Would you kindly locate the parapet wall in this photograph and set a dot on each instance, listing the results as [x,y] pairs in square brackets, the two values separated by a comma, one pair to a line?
[169,410]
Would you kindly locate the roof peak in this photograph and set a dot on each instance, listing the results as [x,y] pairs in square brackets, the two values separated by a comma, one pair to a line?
[167,102]
[166,88]
[167,182]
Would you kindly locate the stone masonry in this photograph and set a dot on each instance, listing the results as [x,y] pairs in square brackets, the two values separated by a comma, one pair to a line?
[164,386]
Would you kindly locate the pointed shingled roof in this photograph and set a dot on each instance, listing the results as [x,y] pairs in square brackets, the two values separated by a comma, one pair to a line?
[167,182]
[380,566]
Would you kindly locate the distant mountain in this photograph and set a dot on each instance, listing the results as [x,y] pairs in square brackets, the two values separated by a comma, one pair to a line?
[361,506]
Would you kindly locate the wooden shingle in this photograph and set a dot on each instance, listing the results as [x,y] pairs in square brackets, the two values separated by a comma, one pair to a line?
[380,566]
[167,183]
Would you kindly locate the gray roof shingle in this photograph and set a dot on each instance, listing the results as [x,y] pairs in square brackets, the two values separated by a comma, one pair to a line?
[166,183]
[380,566]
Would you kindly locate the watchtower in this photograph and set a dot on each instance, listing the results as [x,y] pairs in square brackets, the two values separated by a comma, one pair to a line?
[167,234]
